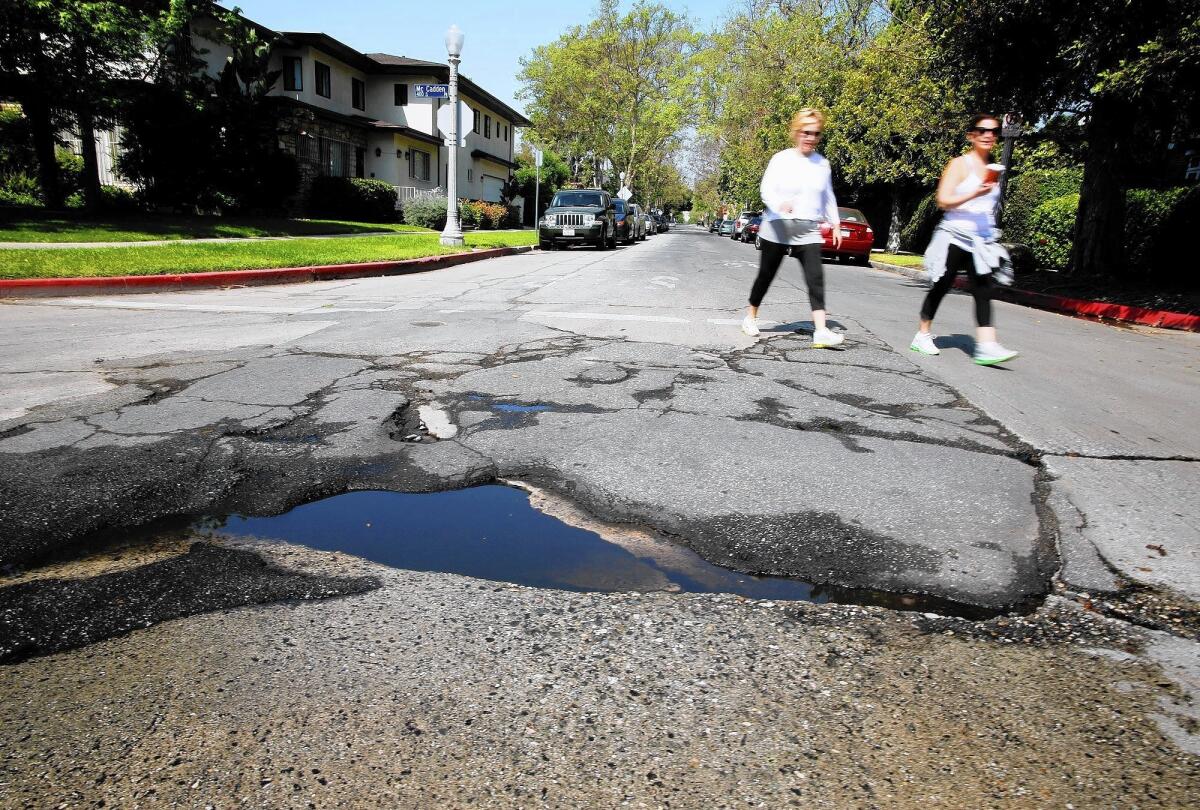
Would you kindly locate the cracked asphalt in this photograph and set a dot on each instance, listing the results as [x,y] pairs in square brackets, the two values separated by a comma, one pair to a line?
[1052,494]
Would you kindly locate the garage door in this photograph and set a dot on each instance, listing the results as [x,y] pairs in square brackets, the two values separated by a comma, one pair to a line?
[493,187]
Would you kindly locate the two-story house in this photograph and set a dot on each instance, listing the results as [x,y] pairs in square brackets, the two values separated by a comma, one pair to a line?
[353,114]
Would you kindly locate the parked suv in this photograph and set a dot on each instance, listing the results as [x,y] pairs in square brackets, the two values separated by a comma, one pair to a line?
[579,216]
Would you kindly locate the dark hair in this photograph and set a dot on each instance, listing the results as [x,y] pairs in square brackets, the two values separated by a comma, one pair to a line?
[975,119]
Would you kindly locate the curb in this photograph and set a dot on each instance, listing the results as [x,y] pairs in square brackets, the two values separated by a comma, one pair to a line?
[51,287]
[1077,307]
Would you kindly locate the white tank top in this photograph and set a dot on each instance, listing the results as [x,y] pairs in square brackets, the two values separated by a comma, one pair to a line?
[977,213]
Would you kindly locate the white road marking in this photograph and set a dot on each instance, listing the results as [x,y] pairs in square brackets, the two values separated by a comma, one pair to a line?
[664,281]
[736,321]
[84,302]
[606,316]
[166,306]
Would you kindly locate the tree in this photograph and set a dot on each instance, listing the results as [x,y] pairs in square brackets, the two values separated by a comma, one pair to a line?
[616,91]
[553,173]
[70,60]
[1123,69]
[894,122]
[766,63]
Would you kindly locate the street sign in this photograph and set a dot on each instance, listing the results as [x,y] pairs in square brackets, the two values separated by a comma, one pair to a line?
[432,90]
[444,121]
[537,157]
[1011,127]
[624,193]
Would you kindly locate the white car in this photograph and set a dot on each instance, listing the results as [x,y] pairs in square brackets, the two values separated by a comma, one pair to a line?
[741,222]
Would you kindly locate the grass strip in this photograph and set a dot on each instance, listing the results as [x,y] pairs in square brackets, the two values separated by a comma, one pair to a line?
[36,228]
[197,258]
[901,260]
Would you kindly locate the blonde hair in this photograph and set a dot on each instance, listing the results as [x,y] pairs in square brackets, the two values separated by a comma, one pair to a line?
[803,117]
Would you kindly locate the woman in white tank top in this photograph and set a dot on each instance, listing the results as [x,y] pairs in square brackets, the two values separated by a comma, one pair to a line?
[966,240]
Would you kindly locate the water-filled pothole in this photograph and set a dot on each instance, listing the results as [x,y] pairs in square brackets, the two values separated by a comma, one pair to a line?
[494,532]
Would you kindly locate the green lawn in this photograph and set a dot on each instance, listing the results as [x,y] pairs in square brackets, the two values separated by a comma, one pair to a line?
[902,260]
[146,227]
[185,257]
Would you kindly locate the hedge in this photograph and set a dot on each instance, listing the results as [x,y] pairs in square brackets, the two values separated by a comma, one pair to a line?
[1027,191]
[1051,230]
[353,198]
[916,233]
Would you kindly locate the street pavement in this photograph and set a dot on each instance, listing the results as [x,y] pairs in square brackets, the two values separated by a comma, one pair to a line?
[1058,487]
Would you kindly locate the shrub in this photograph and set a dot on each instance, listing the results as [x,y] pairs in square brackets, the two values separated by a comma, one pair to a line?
[916,233]
[1052,229]
[352,198]
[70,171]
[469,213]
[20,188]
[118,199]
[1028,190]
[494,214]
[426,212]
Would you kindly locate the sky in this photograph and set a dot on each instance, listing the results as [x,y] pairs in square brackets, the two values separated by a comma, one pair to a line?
[497,34]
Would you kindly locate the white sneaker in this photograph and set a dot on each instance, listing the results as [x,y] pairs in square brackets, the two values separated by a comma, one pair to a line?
[826,339]
[989,354]
[923,343]
[750,326]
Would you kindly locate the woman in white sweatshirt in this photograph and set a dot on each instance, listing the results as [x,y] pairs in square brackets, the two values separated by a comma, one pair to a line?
[797,190]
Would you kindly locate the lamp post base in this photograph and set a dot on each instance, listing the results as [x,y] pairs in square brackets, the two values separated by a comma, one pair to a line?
[452,239]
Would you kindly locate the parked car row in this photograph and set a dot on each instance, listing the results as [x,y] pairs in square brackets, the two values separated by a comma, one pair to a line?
[857,235]
[592,216]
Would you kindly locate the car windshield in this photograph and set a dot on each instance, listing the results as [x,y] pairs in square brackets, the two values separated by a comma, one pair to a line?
[851,215]
[618,206]
[565,198]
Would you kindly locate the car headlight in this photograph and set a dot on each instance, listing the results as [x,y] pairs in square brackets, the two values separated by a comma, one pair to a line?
[548,219]
[597,218]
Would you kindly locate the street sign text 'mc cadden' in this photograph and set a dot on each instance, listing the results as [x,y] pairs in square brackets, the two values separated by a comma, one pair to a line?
[432,90]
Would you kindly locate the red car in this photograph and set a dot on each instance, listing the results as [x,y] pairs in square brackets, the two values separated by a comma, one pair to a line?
[857,237]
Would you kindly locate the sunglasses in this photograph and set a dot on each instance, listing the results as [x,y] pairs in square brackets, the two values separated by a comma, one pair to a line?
[986,130]
[810,133]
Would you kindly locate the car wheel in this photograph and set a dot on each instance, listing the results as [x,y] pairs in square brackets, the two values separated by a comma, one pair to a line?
[544,245]
[612,240]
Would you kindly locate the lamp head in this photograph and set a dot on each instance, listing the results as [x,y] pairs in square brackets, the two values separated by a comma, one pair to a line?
[454,41]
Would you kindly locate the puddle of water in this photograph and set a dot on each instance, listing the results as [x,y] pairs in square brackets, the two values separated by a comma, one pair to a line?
[494,532]
[512,407]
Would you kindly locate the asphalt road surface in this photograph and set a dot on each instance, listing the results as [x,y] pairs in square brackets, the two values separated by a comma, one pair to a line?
[1053,495]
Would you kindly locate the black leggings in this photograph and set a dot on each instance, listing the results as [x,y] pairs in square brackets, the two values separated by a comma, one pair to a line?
[980,286]
[768,266]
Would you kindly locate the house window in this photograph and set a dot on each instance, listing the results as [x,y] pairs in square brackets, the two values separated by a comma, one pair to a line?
[360,161]
[324,85]
[358,94]
[401,91]
[487,126]
[293,73]
[329,157]
[506,132]
[470,176]
[475,120]
[418,165]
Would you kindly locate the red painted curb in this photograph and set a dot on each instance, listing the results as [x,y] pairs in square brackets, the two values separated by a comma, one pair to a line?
[1079,307]
[48,287]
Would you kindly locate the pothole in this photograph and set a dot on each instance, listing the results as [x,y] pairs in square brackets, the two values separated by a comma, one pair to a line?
[495,532]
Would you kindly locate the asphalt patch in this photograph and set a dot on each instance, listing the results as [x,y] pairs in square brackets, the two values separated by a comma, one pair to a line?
[49,616]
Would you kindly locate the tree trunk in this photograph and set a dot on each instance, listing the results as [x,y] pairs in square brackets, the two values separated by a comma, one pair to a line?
[1098,249]
[35,107]
[893,240]
[91,165]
